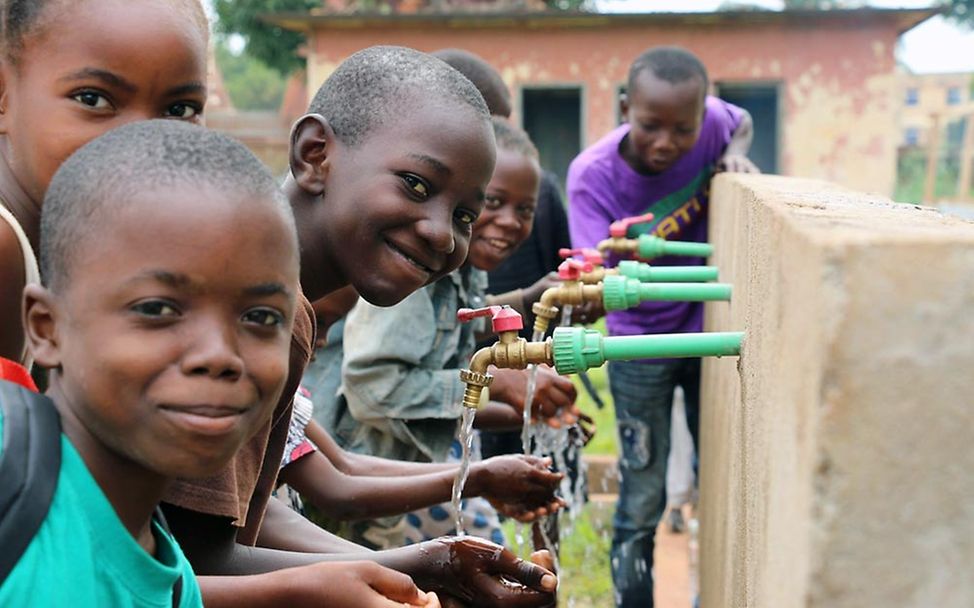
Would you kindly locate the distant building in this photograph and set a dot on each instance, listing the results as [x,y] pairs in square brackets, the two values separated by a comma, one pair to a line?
[949,96]
[821,85]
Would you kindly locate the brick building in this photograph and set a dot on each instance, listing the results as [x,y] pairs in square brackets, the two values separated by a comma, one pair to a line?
[821,85]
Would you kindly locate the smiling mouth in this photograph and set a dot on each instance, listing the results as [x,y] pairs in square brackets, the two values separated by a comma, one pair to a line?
[500,245]
[410,259]
[205,419]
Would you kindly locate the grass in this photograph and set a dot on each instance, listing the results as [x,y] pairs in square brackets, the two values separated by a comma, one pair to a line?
[584,576]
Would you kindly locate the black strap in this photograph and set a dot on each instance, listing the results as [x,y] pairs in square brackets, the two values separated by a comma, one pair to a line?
[177,588]
[30,463]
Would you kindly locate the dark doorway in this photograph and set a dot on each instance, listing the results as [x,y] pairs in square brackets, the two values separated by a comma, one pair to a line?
[552,116]
[761,100]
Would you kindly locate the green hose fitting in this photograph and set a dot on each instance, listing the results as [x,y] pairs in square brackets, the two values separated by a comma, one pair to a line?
[645,273]
[576,349]
[621,293]
[653,247]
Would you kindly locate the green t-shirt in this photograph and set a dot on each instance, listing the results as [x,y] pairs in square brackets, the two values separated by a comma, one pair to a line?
[83,556]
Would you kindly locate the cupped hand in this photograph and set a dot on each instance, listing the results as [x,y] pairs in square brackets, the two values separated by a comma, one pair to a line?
[480,573]
[519,486]
[355,584]
[554,395]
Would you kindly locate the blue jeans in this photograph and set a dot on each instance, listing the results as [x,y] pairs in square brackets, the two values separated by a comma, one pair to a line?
[643,396]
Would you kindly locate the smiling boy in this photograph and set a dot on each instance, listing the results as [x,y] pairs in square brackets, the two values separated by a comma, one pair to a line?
[388,172]
[163,359]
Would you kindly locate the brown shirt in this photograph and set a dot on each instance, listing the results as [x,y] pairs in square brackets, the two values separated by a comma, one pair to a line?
[240,492]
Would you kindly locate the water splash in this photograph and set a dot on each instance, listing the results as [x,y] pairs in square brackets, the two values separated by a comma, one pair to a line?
[529,399]
[566,315]
[466,441]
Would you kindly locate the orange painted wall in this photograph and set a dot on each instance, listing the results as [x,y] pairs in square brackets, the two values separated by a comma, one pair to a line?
[838,95]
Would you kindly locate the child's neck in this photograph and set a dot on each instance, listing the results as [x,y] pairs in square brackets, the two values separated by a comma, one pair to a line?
[319,272]
[133,491]
[17,201]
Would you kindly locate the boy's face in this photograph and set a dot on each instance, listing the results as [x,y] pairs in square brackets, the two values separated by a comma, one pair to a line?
[665,120]
[172,343]
[399,207]
[508,216]
[82,74]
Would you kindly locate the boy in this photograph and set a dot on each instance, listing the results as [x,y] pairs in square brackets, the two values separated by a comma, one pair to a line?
[387,175]
[400,386]
[163,359]
[661,160]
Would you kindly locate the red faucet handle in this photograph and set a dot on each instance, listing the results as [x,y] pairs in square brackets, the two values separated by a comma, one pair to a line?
[502,318]
[620,229]
[572,269]
[592,256]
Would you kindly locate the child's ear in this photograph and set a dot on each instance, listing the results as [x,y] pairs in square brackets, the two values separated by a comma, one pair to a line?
[312,140]
[40,325]
[624,107]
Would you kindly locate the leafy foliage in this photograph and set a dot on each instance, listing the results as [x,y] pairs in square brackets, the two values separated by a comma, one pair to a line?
[275,47]
[251,84]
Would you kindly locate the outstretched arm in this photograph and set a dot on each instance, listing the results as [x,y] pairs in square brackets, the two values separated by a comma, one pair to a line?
[735,158]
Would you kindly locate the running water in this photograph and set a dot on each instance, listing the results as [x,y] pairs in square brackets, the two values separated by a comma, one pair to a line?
[466,440]
[537,336]
[566,315]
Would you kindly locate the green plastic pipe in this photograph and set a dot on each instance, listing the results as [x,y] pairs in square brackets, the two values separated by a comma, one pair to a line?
[577,349]
[620,293]
[666,274]
[653,247]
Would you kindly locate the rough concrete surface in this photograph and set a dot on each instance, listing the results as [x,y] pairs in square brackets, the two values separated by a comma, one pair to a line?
[837,466]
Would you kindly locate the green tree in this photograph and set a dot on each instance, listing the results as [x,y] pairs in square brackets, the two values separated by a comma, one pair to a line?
[275,47]
[251,84]
[961,11]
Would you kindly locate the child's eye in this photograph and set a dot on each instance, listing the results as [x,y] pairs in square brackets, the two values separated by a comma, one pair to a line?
[93,100]
[492,202]
[263,317]
[183,111]
[465,217]
[526,213]
[416,185]
[155,308]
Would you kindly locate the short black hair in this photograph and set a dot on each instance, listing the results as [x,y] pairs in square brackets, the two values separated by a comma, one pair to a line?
[671,64]
[513,138]
[19,19]
[483,76]
[140,156]
[371,86]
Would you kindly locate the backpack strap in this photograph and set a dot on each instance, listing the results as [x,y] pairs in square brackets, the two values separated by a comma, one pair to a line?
[177,588]
[30,463]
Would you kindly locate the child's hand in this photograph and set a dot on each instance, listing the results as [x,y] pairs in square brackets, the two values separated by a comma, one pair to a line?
[589,312]
[736,163]
[554,395]
[519,486]
[355,584]
[480,573]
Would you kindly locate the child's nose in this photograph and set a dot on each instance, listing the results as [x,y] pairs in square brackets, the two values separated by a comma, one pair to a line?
[214,353]
[437,231]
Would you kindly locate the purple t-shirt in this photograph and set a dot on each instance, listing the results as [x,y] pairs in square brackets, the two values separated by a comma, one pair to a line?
[603,188]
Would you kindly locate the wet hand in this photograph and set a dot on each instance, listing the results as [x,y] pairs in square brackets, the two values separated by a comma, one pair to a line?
[355,584]
[480,573]
[519,484]
[736,163]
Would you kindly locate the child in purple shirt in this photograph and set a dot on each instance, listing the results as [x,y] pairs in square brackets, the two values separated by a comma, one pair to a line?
[661,160]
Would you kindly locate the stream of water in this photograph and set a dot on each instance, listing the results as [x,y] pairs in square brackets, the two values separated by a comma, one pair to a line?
[466,440]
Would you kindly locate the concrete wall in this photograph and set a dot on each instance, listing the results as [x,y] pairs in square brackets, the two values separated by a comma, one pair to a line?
[837,463]
[838,93]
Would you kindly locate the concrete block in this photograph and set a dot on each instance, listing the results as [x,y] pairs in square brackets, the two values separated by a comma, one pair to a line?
[837,462]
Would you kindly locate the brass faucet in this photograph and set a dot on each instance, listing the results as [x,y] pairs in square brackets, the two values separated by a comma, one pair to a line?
[574,290]
[618,241]
[511,351]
